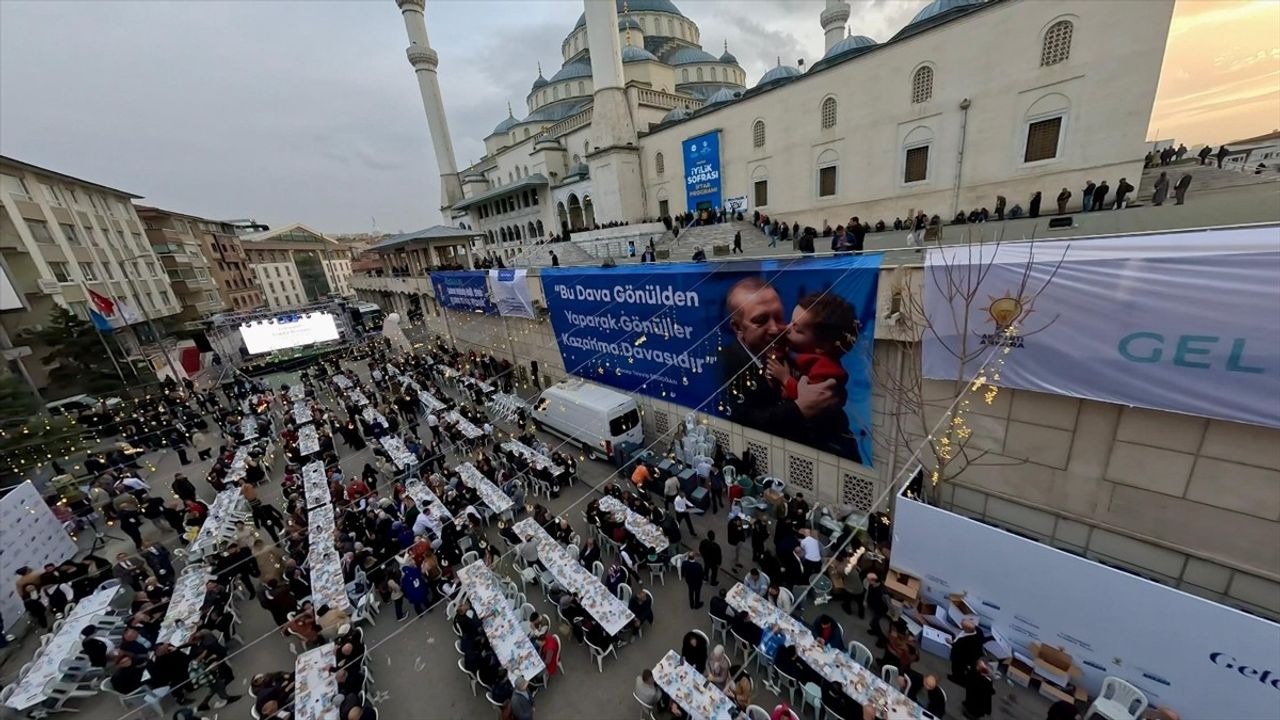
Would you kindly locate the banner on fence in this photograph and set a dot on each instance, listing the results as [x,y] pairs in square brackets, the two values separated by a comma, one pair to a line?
[463,290]
[779,346]
[511,292]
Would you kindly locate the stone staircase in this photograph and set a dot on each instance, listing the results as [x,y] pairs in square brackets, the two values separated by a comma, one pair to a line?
[1203,178]
[709,236]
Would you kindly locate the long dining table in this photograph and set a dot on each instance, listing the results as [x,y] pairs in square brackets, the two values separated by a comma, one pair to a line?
[219,524]
[635,523]
[860,684]
[612,614]
[29,689]
[315,690]
[328,586]
[297,392]
[182,619]
[430,402]
[465,426]
[308,440]
[498,501]
[506,633]
[531,456]
[315,484]
[428,501]
[301,412]
[682,682]
[400,455]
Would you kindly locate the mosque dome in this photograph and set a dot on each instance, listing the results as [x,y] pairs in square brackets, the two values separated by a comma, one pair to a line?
[631,53]
[850,44]
[939,7]
[629,23]
[728,58]
[576,69]
[677,114]
[506,125]
[645,6]
[778,74]
[541,80]
[723,95]
[688,55]
[581,170]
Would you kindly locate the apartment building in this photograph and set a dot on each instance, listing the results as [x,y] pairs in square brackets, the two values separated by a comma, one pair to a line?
[61,235]
[296,265]
[173,237]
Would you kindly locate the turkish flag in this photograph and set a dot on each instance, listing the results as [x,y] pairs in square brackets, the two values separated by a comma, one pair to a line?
[102,303]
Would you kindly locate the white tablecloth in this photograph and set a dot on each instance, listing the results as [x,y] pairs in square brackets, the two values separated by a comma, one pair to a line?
[29,690]
[430,402]
[249,427]
[373,417]
[301,412]
[219,525]
[341,381]
[469,431]
[533,457]
[865,687]
[328,586]
[183,617]
[308,440]
[492,496]
[607,609]
[427,501]
[297,393]
[644,531]
[315,484]
[358,398]
[236,470]
[400,455]
[688,687]
[502,626]
[315,692]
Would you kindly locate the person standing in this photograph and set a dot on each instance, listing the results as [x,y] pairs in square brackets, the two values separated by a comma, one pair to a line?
[1204,154]
[978,692]
[555,261]
[1180,190]
[1182,150]
[737,538]
[856,234]
[1034,205]
[878,603]
[691,571]
[1222,154]
[179,446]
[709,549]
[1100,195]
[737,242]
[1122,193]
[670,489]
[966,650]
[1161,190]
[1000,203]
[183,488]
[1063,197]
[684,511]
[1087,196]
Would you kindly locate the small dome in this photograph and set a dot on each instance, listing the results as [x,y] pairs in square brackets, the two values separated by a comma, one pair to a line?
[474,177]
[688,55]
[631,53]
[849,44]
[541,80]
[576,69]
[629,23]
[676,115]
[662,6]
[724,95]
[505,125]
[778,74]
[581,170]
[728,58]
[938,7]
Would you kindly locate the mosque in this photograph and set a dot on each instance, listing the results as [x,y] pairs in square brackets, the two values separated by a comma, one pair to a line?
[970,100]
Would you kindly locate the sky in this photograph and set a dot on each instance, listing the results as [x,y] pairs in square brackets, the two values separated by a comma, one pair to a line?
[309,112]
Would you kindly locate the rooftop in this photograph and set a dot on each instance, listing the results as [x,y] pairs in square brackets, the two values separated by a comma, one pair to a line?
[6,160]
[435,232]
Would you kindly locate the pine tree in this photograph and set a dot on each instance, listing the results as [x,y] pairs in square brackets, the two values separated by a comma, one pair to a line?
[75,347]
[17,403]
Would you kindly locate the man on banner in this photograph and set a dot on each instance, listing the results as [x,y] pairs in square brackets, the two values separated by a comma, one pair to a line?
[762,390]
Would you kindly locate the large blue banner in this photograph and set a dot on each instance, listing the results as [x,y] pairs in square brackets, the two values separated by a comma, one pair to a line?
[782,346]
[463,290]
[702,172]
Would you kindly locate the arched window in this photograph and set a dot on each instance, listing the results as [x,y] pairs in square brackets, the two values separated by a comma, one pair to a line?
[659,164]
[586,147]
[582,88]
[757,134]
[526,171]
[828,173]
[555,93]
[684,75]
[1057,43]
[922,85]
[724,74]
[671,28]
[828,113]
[699,74]
[526,132]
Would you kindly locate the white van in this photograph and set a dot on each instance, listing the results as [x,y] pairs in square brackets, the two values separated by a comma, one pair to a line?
[594,417]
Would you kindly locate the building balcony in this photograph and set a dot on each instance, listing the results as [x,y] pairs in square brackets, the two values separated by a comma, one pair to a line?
[417,285]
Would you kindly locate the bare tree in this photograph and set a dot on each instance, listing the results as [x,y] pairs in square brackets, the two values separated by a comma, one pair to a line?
[932,412]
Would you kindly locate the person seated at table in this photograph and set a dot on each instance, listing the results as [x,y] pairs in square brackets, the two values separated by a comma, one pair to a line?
[719,606]
[354,707]
[755,582]
[837,702]
[561,532]
[350,679]
[169,667]
[718,666]
[589,554]
[742,626]
[549,649]
[330,620]
[126,674]
[641,604]
[97,647]
[616,575]
[772,640]
[828,629]
[740,690]
[789,662]
[133,644]
[694,651]
[647,690]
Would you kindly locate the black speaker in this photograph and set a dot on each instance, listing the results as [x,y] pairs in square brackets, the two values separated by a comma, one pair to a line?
[1060,222]
[202,342]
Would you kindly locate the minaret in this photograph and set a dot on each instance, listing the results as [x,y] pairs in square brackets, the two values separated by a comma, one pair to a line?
[614,161]
[834,16]
[424,61]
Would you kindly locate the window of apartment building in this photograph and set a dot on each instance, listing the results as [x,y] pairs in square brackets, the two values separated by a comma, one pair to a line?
[69,232]
[149,299]
[60,271]
[222,267]
[151,269]
[52,195]
[106,268]
[137,239]
[278,271]
[168,296]
[80,309]
[86,269]
[40,231]
[271,286]
[15,186]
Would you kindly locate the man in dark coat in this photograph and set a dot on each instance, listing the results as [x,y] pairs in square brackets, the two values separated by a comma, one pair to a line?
[966,651]
[711,555]
[978,692]
[691,571]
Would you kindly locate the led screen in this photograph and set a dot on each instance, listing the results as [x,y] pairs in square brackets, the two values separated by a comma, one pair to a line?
[288,331]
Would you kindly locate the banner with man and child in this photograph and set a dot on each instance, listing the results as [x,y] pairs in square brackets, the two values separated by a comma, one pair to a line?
[782,346]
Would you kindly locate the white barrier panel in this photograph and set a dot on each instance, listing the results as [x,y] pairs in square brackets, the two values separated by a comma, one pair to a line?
[33,536]
[1200,658]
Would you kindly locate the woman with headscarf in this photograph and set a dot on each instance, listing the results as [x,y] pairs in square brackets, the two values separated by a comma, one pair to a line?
[370,475]
[718,667]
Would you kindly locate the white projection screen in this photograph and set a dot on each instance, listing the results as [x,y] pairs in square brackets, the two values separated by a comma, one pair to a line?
[288,331]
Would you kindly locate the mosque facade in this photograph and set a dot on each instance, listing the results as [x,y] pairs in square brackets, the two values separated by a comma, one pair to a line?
[970,100]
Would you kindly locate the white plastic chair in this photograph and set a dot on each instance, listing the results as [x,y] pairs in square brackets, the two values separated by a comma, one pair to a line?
[1118,700]
[889,673]
[624,593]
[597,569]
[647,712]
[755,712]
[598,654]
[861,654]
